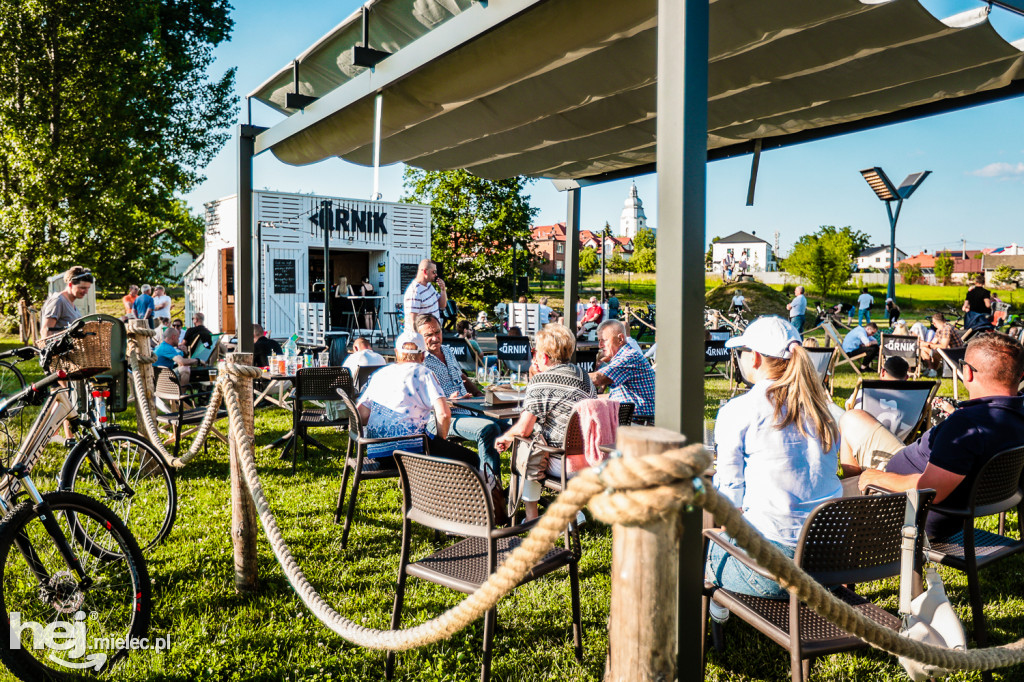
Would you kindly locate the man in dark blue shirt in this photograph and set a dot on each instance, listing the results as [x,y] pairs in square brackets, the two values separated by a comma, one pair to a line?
[949,456]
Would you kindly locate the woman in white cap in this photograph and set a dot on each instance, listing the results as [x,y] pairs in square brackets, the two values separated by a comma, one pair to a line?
[399,401]
[778,450]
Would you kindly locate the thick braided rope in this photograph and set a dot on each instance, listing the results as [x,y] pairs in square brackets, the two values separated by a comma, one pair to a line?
[632,491]
[509,574]
[142,406]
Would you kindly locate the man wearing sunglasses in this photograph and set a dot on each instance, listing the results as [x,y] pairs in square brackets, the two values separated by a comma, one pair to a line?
[59,310]
[950,455]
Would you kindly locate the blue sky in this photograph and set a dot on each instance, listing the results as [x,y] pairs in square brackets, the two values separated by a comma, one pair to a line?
[975,192]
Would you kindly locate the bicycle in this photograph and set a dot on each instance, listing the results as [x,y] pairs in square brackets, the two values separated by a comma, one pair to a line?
[70,566]
[121,469]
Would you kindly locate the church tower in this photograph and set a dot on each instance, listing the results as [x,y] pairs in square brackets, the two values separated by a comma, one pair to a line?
[632,219]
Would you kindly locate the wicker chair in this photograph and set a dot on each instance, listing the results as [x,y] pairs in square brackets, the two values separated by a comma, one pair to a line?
[843,541]
[572,446]
[996,489]
[361,468]
[316,383]
[188,413]
[451,496]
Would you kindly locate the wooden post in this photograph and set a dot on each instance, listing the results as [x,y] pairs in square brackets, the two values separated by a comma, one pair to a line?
[139,343]
[645,568]
[243,511]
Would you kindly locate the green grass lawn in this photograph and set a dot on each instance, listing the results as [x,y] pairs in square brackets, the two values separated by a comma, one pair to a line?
[219,635]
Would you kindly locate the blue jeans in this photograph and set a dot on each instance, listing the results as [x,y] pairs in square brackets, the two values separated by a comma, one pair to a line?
[725,571]
[484,431]
[798,322]
[862,315]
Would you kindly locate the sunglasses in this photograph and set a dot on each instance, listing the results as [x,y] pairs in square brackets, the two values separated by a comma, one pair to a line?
[83,277]
[963,363]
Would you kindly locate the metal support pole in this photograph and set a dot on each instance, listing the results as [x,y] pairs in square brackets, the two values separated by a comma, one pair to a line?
[682,179]
[243,240]
[326,208]
[572,256]
[893,219]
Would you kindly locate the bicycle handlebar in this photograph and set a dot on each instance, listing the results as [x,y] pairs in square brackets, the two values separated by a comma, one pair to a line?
[23,353]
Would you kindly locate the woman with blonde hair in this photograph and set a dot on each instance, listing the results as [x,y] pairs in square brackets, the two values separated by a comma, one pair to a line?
[556,385]
[778,450]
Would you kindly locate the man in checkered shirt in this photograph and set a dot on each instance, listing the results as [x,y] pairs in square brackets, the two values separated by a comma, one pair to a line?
[423,299]
[625,370]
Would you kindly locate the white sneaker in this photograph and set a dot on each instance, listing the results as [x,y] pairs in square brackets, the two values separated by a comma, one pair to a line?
[719,613]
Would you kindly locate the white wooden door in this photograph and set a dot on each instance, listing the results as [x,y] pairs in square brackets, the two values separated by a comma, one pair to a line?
[279,307]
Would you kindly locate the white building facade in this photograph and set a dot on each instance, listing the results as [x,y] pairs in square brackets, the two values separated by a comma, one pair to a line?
[877,257]
[633,218]
[744,247]
[380,240]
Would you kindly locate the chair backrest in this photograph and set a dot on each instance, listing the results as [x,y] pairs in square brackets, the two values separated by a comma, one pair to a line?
[207,354]
[997,487]
[444,494]
[355,423]
[463,352]
[900,406]
[952,356]
[895,345]
[715,352]
[626,413]
[514,352]
[856,539]
[586,359]
[830,334]
[167,385]
[738,373]
[526,316]
[824,360]
[363,374]
[321,383]
[574,443]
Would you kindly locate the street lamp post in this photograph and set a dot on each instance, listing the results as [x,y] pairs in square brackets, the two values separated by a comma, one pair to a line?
[884,189]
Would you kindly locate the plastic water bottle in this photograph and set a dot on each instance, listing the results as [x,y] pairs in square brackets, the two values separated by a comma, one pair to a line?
[291,351]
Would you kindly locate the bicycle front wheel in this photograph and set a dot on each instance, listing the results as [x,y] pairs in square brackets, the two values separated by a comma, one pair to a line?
[11,380]
[147,500]
[98,618]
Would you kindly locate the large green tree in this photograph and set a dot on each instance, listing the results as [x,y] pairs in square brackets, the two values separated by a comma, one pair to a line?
[480,230]
[645,252]
[589,261]
[824,258]
[106,116]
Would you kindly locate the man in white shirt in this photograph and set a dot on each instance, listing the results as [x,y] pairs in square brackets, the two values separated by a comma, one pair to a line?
[797,309]
[362,356]
[422,298]
[738,302]
[161,304]
[860,342]
[864,303]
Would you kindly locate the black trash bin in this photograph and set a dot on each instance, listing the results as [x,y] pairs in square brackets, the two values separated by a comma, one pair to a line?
[337,347]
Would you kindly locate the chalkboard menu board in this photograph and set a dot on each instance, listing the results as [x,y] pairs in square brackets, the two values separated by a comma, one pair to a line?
[407,273]
[284,276]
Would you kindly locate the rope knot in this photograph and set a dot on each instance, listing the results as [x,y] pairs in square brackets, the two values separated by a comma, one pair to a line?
[640,490]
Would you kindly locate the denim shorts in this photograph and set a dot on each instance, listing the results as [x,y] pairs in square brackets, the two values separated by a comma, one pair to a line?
[727,572]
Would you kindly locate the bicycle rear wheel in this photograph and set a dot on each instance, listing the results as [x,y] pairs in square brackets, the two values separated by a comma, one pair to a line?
[149,509]
[100,620]
[11,380]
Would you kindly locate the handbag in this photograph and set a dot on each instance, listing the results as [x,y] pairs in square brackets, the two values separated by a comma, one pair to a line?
[929,618]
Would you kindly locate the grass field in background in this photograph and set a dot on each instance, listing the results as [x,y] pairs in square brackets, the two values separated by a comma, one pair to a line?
[218,635]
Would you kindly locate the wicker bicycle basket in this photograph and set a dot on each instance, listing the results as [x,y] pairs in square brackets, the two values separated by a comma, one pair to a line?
[89,354]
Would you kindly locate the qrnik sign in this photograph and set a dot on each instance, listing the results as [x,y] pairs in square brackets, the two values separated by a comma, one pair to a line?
[351,222]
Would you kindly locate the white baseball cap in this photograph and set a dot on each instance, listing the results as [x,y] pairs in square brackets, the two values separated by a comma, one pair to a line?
[769,336]
[409,336]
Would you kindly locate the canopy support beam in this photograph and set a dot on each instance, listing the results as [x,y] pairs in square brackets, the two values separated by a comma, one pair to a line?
[682,184]
[243,241]
[572,255]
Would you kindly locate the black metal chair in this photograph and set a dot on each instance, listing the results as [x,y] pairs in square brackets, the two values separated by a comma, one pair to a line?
[320,384]
[996,489]
[185,410]
[463,353]
[843,541]
[360,467]
[363,374]
[452,497]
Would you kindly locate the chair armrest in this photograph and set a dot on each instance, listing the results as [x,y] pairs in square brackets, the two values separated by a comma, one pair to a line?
[389,439]
[548,449]
[737,553]
[877,490]
[511,531]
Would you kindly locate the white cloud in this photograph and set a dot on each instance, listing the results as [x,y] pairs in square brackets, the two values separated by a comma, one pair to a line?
[1000,169]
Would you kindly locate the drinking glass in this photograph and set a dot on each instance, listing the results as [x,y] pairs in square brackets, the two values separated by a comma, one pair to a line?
[325,358]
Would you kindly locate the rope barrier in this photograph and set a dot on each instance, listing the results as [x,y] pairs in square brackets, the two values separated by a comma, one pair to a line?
[632,491]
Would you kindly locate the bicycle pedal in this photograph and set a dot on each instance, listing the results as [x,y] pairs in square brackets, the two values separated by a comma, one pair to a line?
[70,442]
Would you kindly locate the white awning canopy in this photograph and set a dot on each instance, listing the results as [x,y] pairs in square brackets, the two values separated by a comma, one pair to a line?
[566,88]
